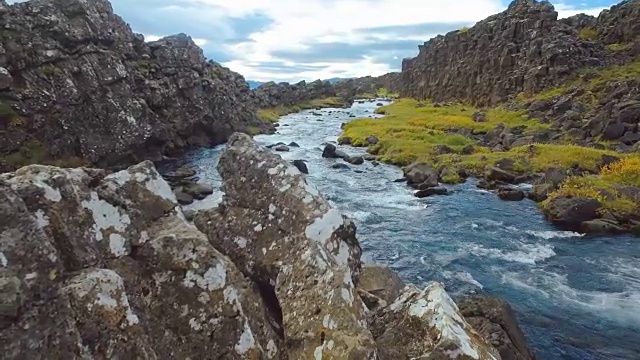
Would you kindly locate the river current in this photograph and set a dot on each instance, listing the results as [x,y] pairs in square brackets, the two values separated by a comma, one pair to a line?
[575,297]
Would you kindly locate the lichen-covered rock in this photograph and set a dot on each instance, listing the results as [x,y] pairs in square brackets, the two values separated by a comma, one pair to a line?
[92,89]
[96,266]
[427,324]
[284,235]
[496,321]
[380,282]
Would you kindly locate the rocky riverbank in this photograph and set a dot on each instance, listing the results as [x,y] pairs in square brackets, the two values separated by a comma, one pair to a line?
[273,272]
[572,133]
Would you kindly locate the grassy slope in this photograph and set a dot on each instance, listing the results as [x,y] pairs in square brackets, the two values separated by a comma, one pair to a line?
[273,114]
[415,131]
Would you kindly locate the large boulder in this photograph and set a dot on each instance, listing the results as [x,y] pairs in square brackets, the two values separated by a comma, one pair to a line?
[418,173]
[285,236]
[496,321]
[427,324]
[570,213]
[97,266]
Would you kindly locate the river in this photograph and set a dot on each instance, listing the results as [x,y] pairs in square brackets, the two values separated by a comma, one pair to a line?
[575,297]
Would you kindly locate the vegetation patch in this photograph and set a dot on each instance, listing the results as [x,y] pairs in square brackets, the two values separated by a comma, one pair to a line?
[606,187]
[271,115]
[592,81]
[588,33]
[421,131]
[34,152]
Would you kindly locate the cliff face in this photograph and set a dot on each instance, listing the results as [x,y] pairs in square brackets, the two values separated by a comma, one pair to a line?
[369,85]
[523,49]
[76,82]
[271,94]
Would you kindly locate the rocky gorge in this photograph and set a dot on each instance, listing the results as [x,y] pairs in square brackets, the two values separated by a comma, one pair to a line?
[99,258]
[566,123]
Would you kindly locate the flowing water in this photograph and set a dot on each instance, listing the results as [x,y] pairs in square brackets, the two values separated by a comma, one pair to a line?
[575,297]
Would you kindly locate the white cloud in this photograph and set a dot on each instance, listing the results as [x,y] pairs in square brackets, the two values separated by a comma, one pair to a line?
[299,24]
[565,11]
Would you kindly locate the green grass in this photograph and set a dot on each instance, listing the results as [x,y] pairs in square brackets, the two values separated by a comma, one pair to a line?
[604,187]
[592,81]
[409,133]
[34,152]
[271,115]
[619,47]
[588,33]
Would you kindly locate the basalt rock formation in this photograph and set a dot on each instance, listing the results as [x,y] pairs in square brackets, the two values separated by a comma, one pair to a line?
[369,85]
[271,94]
[523,49]
[77,83]
[96,265]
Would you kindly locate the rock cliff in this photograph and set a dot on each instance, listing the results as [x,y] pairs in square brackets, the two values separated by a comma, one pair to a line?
[271,94]
[523,49]
[96,265]
[369,85]
[77,85]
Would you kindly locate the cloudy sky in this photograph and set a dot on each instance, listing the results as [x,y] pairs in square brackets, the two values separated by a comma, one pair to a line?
[291,40]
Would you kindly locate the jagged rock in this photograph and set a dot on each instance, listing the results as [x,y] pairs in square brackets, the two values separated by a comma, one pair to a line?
[301,165]
[182,197]
[601,226]
[540,192]
[354,160]
[418,173]
[497,174]
[92,89]
[495,320]
[329,151]
[427,324]
[368,85]
[344,141]
[431,192]
[505,54]
[198,190]
[271,94]
[381,282]
[5,79]
[510,194]
[73,234]
[282,234]
[570,213]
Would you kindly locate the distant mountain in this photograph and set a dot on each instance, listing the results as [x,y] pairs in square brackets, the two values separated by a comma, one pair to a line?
[254,84]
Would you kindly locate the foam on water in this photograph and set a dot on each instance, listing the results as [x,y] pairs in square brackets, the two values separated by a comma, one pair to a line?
[576,297]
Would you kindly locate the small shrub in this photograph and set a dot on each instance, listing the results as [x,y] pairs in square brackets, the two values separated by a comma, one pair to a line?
[618,47]
[625,172]
[588,34]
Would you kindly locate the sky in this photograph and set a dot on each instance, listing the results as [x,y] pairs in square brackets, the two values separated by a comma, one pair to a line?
[292,40]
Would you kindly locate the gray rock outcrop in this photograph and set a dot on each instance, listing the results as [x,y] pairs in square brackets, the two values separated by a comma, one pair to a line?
[97,266]
[77,85]
[523,49]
